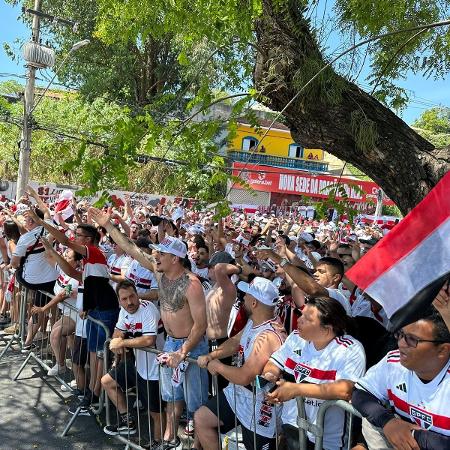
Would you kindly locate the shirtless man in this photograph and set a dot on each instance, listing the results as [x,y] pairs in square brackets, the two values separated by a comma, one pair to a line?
[219,302]
[183,313]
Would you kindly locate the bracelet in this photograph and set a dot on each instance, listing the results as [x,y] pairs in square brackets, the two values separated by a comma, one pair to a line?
[284,262]
[240,269]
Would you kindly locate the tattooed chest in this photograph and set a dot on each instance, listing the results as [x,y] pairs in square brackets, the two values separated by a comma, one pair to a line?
[172,293]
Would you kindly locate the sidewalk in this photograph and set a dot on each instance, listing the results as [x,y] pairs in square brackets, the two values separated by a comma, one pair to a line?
[33,412]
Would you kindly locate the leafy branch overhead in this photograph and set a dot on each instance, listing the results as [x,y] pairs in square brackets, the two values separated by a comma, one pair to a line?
[159,65]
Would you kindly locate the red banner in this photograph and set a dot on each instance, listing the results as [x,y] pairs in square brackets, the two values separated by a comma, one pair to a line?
[274,179]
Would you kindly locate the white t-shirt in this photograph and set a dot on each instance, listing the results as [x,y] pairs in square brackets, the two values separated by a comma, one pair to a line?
[426,404]
[341,298]
[201,272]
[37,269]
[81,324]
[143,278]
[265,412]
[342,359]
[118,264]
[144,322]
[70,286]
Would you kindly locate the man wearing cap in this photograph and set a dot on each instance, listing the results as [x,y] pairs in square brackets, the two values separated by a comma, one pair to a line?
[183,312]
[325,281]
[262,336]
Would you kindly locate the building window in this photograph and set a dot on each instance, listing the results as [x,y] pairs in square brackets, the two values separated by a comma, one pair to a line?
[249,143]
[295,151]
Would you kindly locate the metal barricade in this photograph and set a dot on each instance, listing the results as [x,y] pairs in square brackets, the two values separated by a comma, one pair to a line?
[318,428]
[320,421]
[18,295]
[45,358]
[137,431]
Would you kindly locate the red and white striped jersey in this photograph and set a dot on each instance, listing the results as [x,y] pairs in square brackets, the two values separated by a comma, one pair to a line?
[426,404]
[342,359]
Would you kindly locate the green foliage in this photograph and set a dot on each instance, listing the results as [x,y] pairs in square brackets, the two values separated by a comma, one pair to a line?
[388,210]
[434,126]
[435,120]
[392,57]
[364,130]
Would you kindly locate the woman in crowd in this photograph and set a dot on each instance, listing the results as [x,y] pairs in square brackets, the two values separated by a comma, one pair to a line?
[66,289]
[318,361]
[11,234]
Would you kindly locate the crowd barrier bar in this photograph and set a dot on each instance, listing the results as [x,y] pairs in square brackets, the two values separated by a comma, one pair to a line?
[320,420]
[19,335]
[232,439]
[43,364]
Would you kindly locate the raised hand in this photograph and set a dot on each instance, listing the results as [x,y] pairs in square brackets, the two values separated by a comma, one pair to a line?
[102,218]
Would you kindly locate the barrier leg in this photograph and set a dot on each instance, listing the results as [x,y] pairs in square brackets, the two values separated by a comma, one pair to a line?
[22,366]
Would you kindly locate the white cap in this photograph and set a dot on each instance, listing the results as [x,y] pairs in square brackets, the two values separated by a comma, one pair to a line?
[196,229]
[171,245]
[262,289]
[306,237]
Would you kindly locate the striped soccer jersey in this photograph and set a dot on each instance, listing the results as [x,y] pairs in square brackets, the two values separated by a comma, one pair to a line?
[143,278]
[240,398]
[342,359]
[426,404]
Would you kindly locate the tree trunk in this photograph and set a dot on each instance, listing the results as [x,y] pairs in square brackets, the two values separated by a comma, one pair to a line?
[336,115]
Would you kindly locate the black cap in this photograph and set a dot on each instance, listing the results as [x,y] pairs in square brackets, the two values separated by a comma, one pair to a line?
[221,257]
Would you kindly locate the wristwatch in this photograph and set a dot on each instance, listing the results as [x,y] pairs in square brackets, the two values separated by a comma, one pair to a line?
[284,262]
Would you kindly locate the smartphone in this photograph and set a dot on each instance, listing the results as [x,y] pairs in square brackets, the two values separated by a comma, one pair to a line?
[264,385]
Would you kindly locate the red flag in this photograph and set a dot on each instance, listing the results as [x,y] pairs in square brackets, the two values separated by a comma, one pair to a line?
[406,269]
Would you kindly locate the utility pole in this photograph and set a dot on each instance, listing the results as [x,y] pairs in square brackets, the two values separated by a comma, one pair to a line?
[28,100]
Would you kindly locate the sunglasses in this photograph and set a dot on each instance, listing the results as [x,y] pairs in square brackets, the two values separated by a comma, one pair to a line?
[412,341]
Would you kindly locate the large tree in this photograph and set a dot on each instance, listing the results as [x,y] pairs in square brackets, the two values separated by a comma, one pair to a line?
[283,44]
[335,113]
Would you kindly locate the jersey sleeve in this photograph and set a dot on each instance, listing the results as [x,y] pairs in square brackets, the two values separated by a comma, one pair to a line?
[376,379]
[120,325]
[21,248]
[353,364]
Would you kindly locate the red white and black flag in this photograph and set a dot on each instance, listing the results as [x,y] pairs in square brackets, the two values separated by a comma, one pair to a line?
[405,270]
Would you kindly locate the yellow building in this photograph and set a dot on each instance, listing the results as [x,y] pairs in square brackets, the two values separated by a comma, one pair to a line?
[276,149]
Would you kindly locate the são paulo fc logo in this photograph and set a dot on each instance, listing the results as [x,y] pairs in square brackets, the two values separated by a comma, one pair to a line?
[422,418]
[301,372]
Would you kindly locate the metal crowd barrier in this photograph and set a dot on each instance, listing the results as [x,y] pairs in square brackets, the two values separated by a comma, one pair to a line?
[19,335]
[144,430]
[45,358]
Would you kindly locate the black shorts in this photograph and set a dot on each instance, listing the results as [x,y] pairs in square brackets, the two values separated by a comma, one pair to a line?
[79,352]
[229,421]
[41,299]
[147,390]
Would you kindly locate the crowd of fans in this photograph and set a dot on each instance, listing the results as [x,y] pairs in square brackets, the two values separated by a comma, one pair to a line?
[260,300]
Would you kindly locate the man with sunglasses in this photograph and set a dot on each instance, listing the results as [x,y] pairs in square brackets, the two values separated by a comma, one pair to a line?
[415,381]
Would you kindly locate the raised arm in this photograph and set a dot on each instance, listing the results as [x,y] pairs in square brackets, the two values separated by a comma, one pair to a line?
[41,205]
[62,263]
[300,278]
[103,219]
[60,237]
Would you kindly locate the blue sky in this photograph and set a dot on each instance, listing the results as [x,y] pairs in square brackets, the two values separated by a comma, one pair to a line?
[424,93]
